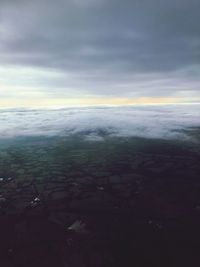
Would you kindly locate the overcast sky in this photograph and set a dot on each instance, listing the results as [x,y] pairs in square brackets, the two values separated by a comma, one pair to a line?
[99,51]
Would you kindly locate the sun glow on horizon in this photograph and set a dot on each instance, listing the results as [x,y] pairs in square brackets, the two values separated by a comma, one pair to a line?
[47,102]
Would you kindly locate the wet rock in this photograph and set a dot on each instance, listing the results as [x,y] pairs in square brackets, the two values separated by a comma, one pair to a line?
[35,202]
[78,227]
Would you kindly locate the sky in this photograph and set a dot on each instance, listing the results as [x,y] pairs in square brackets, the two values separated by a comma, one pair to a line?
[90,52]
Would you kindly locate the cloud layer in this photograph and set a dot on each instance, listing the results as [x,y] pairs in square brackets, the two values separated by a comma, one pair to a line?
[89,48]
[167,122]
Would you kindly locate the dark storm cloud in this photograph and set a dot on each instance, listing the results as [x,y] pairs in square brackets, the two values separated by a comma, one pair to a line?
[141,47]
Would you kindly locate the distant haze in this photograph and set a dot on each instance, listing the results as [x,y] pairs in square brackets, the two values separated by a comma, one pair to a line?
[95,123]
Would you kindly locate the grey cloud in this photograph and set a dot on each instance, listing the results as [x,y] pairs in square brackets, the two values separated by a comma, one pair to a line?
[104,43]
[165,122]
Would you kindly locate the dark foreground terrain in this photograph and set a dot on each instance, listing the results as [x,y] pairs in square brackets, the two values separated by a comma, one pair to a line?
[119,202]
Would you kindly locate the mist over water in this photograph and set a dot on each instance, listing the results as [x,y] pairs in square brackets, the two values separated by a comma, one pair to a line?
[94,123]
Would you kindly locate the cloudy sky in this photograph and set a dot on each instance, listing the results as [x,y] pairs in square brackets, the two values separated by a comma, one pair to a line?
[99,52]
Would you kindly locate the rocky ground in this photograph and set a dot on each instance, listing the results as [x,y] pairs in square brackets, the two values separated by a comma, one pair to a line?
[112,203]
